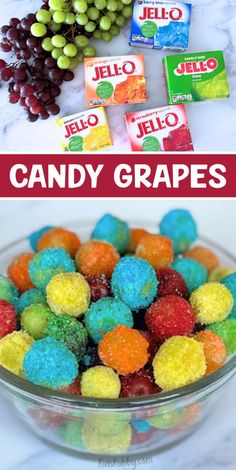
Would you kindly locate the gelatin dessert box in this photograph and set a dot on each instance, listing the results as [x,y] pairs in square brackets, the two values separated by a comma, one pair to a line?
[114,80]
[195,77]
[160,25]
[159,129]
[87,131]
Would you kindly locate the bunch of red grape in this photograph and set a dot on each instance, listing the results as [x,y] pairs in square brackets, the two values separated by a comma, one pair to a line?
[33,79]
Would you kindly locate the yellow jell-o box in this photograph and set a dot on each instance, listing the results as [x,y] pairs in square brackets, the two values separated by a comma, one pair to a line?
[114,80]
[87,131]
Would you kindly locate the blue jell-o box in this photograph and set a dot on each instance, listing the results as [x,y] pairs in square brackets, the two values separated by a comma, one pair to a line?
[160,25]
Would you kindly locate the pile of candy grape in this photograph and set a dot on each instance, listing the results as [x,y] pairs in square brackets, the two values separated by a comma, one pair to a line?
[127,313]
[49,44]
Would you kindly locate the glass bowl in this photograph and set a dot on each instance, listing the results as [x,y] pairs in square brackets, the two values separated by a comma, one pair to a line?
[122,426]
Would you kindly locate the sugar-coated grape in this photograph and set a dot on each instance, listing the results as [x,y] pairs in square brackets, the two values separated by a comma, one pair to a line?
[89,51]
[58,40]
[93,13]
[81,19]
[43,16]
[38,30]
[63,62]
[70,50]
[80,6]
[105,23]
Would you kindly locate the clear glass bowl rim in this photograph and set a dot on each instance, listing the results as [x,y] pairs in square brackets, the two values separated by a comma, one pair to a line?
[8,379]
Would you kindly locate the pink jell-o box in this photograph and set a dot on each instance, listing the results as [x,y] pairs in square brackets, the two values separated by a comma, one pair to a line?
[159,129]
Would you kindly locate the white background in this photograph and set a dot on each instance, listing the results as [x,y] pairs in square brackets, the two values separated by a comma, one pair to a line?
[212,447]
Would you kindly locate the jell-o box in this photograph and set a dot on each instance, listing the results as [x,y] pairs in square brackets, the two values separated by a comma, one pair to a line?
[159,129]
[196,77]
[114,80]
[160,25]
[87,131]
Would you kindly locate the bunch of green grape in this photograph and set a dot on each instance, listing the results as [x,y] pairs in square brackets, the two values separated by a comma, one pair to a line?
[66,26]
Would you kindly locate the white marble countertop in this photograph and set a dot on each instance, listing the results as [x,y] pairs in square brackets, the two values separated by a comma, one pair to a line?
[212,124]
[212,447]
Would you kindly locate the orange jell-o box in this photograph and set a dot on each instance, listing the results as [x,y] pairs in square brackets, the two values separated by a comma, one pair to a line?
[114,80]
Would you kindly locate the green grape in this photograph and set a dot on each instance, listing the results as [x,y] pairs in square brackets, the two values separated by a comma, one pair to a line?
[112,16]
[63,62]
[47,45]
[115,31]
[43,16]
[55,27]
[120,5]
[58,41]
[56,4]
[59,16]
[57,52]
[93,13]
[80,6]
[126,2]
[90,27]
[105,23]
[97,34]
[111,5]
[81,41]
[70,50]
[70,18]
[127,11]
[38,30]
[89,2]
[100,4]
[81,19]
[106,36]
[81,56]
[89,51]
[120,21]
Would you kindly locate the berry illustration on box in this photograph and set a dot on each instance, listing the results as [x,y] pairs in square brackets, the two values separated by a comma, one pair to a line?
[196,77]
[160,129]
[160,25]
[114,80]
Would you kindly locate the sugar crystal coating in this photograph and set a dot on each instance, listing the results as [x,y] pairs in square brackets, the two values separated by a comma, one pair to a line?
[214,350]
[136,235]
[113,230]
[171,282]
[156,249]
[31,296]
[35,236]
[180,226]
[59,238]
[230,283]
[193,272]
[212,302]
[18,271]
[8,290]
[13,348]
[48,263]
[218,273]
[7,318]
[180,361]
[100,382]
[134,281]
[70,331]
[204,255]
[68,293]
[96,257]
[50,363]
[34,320]
[105,315]
[226,329]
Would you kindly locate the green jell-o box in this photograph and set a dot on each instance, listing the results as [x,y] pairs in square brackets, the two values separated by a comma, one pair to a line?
[196,76]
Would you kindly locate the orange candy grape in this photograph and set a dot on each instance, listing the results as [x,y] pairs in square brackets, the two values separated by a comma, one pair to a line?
[156,249]
[136,235]
[124,349]
[214,350]
[204,255]
[60,238]
[18,271]
[96,257]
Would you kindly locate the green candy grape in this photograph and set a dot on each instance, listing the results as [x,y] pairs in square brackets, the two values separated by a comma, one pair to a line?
[80,6]
[38,30]
[70,50]
[56,4]
[59,16]
[47,45]
[115,31]
[43,16]
[57,52]
[89,51]
[105,23]
[112,5]
[97,34]
[93,13]
[127,11]
[100,4]
[70,18]
[63,62]
[112,16]
[81,41]
[81,19]
[90,27]
[106,36]
[120,21]
[58,41]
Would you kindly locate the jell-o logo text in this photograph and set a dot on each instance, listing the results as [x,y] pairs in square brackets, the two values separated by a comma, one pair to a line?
[80,125]
[201,66]
[113,70]
[156,124]
[151,13]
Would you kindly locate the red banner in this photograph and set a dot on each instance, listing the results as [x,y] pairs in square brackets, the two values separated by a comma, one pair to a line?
[112,175]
